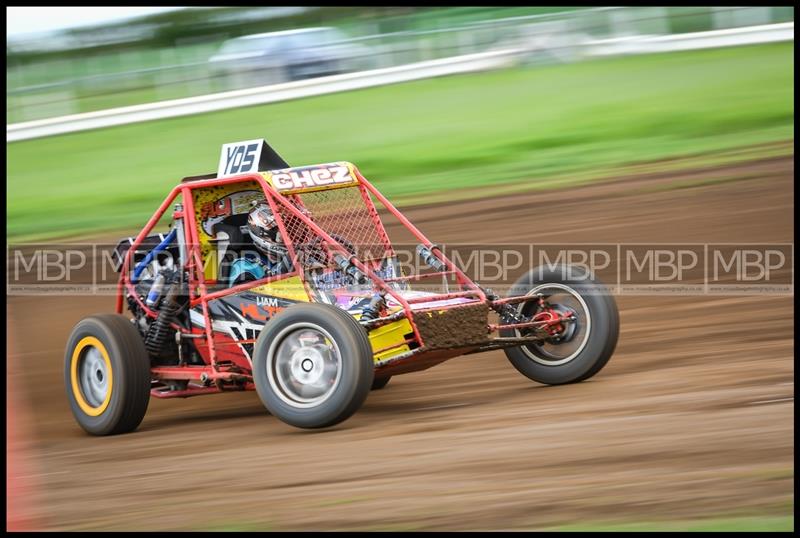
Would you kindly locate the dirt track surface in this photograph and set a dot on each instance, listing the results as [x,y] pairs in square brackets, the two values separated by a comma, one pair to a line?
[691,418]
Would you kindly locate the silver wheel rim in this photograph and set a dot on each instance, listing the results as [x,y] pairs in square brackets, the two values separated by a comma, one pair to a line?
[548,353]
[304,365]
[93,376]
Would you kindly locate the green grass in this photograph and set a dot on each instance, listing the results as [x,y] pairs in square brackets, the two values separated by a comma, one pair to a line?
[741,524]
[542,127]
[720,524]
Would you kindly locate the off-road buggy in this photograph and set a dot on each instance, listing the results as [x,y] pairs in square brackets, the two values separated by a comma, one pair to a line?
[344,318]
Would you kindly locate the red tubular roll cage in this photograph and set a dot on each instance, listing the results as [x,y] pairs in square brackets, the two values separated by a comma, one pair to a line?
[198,292]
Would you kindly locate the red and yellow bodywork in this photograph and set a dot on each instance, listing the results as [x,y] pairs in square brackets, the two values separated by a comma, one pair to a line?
[320,203]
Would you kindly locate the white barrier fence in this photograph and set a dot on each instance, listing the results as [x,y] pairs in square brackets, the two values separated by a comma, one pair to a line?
[447,66]
[257,96]
[749,35]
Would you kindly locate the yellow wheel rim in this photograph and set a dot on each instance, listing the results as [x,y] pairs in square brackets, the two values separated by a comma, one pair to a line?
[102,372]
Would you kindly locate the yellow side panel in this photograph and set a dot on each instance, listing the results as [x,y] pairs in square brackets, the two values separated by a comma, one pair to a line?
[291,289]
[386,335]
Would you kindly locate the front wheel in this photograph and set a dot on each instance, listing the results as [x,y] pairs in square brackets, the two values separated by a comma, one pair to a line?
[313,365]
[107,375]
[579,348]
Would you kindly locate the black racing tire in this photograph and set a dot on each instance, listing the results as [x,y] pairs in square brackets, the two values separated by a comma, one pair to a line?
[107,375]
[380,382]
[279,368]
[595,345]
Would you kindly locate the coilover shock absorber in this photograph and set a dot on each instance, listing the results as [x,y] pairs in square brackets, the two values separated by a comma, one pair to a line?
[508,314]
[160,330]
[373,309]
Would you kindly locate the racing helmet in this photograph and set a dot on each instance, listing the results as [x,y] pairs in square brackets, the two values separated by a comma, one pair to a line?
[264,232]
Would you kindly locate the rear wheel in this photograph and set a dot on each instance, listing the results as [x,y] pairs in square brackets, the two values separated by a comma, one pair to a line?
[380,382]
[107,375]
[313,365]
[577,349]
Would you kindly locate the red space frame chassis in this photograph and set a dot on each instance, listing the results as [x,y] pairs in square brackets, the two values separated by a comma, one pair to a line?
[215,377]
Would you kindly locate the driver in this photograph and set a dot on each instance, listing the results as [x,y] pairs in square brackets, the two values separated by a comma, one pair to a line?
[270,256]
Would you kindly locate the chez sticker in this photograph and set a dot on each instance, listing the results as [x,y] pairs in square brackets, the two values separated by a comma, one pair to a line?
[305,178]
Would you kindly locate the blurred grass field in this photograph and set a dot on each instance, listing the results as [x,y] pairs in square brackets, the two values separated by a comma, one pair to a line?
[736,524]
[466,135]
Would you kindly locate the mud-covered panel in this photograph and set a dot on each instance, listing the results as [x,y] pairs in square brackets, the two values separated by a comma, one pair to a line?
[453,327]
